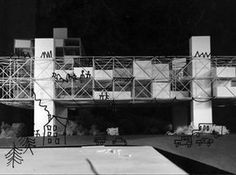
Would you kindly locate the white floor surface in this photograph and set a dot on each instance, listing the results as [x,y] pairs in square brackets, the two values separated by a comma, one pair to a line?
[91,160]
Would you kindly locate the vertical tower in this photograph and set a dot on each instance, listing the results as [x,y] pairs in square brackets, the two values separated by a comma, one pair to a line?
[201,105]
[44,88]
[44,85]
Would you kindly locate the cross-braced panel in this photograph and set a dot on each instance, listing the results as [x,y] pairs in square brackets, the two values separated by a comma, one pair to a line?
[115,78]
[181,78]
[16,74]
[224,76]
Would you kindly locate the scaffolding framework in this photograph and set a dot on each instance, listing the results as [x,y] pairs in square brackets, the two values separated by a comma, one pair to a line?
[130,78]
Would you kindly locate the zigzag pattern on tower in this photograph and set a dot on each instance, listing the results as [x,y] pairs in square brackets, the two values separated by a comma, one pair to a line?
[43,106]
[203,54]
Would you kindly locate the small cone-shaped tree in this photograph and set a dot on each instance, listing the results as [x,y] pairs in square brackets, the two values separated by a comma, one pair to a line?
[27,143]
[14,156]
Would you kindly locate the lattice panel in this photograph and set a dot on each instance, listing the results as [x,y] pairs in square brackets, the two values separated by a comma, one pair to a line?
[123,68]
[131,78]
[83,89]
[142,69]
[16,77]
[143,89]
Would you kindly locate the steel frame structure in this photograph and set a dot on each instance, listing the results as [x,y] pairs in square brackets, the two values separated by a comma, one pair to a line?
[16,82]
[117,77]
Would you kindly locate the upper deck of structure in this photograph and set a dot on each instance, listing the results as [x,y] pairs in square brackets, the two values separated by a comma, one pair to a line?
[87,79]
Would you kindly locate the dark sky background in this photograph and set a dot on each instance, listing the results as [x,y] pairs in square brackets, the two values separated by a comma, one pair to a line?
[124,27]
[152,27]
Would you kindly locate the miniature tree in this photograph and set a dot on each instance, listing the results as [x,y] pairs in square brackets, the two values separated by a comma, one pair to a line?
[14,156]
[27,143]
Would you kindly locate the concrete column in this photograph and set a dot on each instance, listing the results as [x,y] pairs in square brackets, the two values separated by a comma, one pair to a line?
[44,87]
[201,112]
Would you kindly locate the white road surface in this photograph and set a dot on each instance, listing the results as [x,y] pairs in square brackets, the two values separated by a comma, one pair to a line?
[91,160]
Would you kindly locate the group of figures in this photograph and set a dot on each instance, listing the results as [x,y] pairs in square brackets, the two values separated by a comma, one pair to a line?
[69,77]
[104,95]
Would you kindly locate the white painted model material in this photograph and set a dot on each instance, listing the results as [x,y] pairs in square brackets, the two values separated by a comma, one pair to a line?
[201,106]
[225,91]
[116,95]
[43,85]
[121,95]
[201,88]
[41,116]
[178,63]
[225,72]
[200,67]
[222,83]
[161,90]
[142,69]
[102,95]
[103,74]
[92,160]
[200,44]
[68,60]
[179,94]
[201,112]
[112,131]
[161,72]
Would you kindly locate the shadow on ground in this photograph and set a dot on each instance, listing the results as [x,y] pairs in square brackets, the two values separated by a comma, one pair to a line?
[191,166]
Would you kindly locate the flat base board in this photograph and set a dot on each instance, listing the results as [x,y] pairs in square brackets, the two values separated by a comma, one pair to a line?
[92,160]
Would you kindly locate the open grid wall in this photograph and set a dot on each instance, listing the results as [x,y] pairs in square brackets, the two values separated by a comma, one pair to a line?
[123,77]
